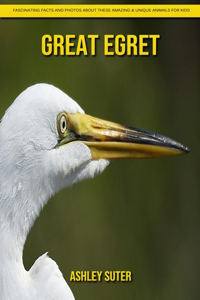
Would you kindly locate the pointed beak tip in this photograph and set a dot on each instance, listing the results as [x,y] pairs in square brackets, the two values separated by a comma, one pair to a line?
[186,150]
[182,149]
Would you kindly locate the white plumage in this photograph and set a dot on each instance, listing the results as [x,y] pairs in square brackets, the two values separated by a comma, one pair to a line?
[31,172]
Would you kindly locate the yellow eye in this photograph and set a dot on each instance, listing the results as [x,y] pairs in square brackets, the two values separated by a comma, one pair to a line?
[63,124]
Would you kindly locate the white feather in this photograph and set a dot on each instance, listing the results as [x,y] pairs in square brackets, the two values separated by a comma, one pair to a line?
[31,171]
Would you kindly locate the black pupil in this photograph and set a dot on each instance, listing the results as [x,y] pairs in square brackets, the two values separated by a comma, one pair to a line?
[63,124]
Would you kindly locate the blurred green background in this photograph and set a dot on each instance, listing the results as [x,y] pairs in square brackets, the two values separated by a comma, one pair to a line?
[139,215]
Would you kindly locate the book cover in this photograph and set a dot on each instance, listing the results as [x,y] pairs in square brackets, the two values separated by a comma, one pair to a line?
[133,231]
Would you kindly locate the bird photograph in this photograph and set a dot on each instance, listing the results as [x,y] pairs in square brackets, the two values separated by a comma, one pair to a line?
[94,176]
[54,145]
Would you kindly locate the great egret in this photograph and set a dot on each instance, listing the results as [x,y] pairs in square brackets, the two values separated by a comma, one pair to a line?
[47,143]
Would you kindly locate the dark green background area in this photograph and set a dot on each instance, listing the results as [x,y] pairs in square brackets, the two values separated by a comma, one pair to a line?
[139,215]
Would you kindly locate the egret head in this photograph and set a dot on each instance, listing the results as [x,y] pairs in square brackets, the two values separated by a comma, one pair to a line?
[49,141]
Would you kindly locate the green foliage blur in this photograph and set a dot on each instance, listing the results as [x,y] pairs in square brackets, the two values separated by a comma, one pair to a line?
[139,215]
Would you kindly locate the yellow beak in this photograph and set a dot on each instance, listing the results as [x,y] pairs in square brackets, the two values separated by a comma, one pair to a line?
[110,140]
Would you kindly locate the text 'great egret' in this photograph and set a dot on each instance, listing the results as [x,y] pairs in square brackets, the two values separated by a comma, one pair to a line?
[47,143]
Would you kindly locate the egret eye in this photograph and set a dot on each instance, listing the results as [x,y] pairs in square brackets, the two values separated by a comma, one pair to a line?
[63,124]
